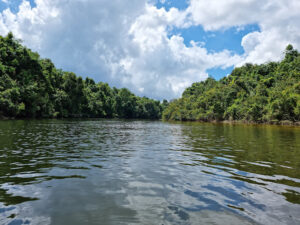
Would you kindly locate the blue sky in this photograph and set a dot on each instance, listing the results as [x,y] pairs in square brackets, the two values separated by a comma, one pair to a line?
[167,4]
[217,41]
[156,48]
[213,41]
[13,5]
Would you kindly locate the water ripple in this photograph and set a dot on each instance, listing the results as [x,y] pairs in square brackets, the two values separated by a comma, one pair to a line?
[145,172]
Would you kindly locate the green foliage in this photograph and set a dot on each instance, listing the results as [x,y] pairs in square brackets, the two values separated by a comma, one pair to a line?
[257,93]
[32,87]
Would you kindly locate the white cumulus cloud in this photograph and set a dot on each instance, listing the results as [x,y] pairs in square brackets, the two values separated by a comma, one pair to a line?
[278,21]
[131,44]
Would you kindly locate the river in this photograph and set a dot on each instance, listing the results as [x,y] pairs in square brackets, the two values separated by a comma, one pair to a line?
[73,172]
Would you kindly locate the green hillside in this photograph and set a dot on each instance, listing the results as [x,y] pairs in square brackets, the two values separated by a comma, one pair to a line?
[267,93]
[31,87]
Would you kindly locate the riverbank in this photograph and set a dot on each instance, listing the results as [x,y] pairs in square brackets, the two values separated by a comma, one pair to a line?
[6,118]
[277,123]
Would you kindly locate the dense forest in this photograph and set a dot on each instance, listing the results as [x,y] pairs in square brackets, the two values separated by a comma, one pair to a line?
[267,93]
[31,87]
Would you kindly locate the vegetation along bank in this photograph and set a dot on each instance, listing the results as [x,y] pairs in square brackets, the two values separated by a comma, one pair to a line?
[267,93]
[31,87]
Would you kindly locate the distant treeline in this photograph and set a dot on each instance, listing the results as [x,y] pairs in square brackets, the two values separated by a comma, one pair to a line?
[266,93]
[31,87]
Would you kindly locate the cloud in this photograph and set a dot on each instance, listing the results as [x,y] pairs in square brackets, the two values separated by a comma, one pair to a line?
[87,37]
[132,44]
[164,65]
[278,21]
[125,46]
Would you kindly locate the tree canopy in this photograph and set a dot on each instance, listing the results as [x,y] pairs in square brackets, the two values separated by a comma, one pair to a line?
[31,87]
[257,93]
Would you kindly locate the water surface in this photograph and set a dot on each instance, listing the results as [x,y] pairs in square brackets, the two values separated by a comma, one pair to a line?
[143,172]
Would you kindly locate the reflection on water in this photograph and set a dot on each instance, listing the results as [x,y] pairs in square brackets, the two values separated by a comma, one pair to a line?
[143,172]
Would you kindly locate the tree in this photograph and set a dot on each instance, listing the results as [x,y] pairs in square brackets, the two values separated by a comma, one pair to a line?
[33,87]
[257,93]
